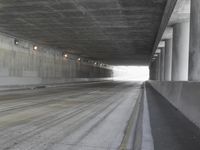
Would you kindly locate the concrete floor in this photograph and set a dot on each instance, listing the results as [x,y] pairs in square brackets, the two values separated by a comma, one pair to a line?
[78,117]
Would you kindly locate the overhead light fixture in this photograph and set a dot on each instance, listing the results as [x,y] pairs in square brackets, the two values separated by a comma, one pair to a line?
[65,55]
[35,47]
[79,59]
[16,42]
[95,63]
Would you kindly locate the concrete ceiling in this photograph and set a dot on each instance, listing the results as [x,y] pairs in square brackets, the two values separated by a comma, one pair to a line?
[118,32]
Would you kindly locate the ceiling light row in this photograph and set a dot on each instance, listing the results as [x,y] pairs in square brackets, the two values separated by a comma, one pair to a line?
[35,47]
[65,55]
[16,42]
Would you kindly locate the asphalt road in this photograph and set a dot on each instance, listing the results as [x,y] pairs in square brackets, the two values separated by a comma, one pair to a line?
[76,117]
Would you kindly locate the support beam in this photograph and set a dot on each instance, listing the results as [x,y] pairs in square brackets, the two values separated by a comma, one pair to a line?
[194,54]
[168,59]
[180,54]
[170,5]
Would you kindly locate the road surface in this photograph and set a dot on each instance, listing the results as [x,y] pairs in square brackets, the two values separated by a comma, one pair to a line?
[76,117]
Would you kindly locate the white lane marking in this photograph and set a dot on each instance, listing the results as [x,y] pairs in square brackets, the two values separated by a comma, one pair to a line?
[93,92]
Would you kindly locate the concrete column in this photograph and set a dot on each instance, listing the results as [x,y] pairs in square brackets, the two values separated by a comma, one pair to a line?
[194,53]
[153,70]
[180,53]
[158,67]
[162,64]
[168,59]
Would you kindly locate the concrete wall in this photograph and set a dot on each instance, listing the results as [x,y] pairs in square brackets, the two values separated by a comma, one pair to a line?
[183,95]
[21,65]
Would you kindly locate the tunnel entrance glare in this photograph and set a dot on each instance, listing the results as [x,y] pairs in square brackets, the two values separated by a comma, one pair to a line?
[131,73]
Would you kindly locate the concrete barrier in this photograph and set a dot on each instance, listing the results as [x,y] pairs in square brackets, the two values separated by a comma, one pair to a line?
[185,96]
[76,81]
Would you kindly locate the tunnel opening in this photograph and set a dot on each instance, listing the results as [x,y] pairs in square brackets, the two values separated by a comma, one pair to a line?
[130,73]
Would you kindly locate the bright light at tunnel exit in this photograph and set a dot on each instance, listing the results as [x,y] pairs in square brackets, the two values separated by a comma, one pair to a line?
[131,73]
